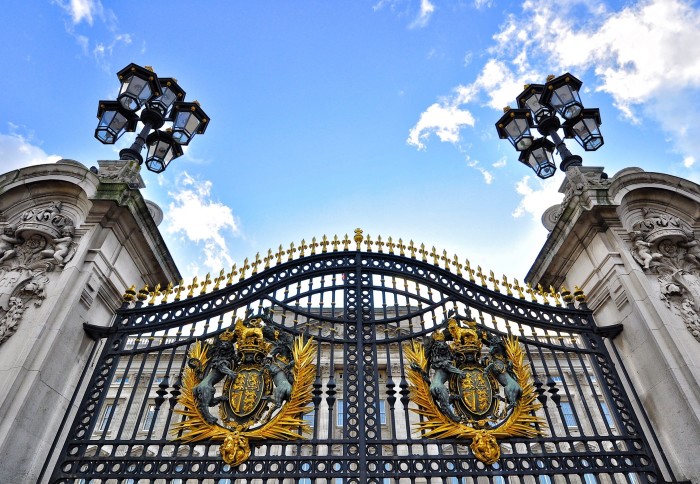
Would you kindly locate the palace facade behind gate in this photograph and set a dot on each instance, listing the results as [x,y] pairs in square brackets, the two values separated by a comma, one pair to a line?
[598,379]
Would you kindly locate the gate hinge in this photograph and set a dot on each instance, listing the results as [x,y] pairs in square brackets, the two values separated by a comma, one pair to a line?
[98,332]
[609,331]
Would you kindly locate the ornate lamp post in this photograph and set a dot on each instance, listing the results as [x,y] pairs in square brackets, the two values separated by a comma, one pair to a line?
[540,106]
[153,101]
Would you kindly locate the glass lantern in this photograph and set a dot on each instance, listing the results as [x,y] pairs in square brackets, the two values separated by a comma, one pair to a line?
[162,149]
[114,122]
[540,158]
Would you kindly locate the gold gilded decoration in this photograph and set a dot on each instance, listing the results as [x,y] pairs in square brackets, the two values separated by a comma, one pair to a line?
[362,243]
[470,383]
[267,382]
[235,450]
[485,447]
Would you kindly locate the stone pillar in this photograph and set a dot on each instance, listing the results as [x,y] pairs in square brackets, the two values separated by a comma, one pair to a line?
[631,243]
[71,240]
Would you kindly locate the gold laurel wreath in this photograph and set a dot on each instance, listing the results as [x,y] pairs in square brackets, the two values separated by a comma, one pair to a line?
[522,422]
[284,425]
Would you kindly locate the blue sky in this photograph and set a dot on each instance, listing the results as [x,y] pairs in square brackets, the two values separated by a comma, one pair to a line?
[327,116]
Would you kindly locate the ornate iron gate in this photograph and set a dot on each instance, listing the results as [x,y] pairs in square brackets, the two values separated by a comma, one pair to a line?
[362,303]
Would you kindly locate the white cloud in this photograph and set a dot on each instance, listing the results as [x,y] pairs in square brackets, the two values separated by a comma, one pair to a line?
[500,163]
[688,161]
[199,219]
[426,11]
[17,151]
[447,118]
[488,177]
[483,3]
[87,11]
[444,120]
[647,54]
[535,200]
[80,10]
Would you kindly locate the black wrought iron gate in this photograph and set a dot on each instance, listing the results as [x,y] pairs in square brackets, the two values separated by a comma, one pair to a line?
[362,301]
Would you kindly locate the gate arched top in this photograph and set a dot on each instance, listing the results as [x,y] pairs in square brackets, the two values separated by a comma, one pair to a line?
[176,304]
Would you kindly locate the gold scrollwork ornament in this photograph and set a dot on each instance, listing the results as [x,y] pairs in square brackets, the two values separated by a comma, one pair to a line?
[245,359]
[449,368]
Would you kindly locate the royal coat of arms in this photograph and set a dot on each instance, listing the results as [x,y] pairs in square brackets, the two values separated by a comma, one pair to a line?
[472,383]
[260,380]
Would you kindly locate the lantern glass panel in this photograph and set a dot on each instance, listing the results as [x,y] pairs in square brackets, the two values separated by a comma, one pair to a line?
[566,101]
[518,131]
[134,92]
[111,126]
[588,134]
[185,126]
[533,104]
[164,102]
[540,160]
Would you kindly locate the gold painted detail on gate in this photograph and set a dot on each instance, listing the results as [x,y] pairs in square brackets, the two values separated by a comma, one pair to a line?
[464,395]
[265,378]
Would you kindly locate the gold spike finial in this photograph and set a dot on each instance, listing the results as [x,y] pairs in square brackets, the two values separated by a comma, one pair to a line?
[180,288]
[280,253]
[481,275]
[379,244]
[129,294]
[268,258]
[457,264]
[291,251]
[553,293]
[566,295]
[207,280]
[166,292]
[358,237]
[531,292]
[231,275]
[446,260]
[368,242]
[243,268]
[494,281]
[256,262]
[143,293]
[470,271]
[154,295]
[219,280]
[519,288]
[507,285]
[579,295]
[192,287]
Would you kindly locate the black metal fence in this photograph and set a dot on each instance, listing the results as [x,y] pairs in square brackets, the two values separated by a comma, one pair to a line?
[361,308]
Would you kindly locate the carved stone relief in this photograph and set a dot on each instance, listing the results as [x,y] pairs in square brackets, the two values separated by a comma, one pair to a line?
[665,246]
[39,242]
[579,179]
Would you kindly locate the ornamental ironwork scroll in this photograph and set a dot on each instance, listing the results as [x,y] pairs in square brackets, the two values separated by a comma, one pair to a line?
[462,394]
[267,387]
[407,366]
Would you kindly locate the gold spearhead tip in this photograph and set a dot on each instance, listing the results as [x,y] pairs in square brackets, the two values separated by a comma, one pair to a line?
[506,109]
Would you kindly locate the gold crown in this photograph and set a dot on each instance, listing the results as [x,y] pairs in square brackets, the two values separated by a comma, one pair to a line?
[466,340]
[227,335]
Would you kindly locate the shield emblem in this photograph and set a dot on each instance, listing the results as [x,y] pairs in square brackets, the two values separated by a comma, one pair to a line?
[247,391]
[476,391]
